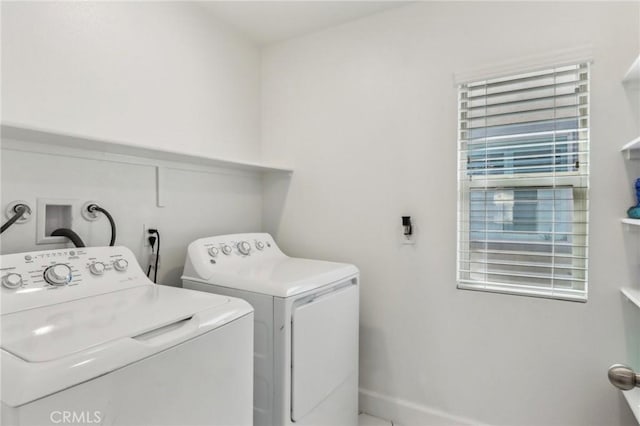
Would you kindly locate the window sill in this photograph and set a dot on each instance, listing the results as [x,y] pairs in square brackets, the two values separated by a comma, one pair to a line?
[568,295]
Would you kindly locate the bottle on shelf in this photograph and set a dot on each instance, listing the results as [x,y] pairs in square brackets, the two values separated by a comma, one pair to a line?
[634,212]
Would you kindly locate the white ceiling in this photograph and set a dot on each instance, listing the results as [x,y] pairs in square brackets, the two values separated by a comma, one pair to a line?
[270,21]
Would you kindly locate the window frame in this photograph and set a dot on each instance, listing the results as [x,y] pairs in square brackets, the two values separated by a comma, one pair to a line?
[578,181]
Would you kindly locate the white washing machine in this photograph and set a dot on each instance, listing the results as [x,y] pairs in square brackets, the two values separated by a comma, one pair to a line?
[88,339]
[306,326]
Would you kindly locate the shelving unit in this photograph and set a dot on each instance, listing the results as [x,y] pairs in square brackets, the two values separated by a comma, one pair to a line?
[633,399]
[632,149]
[632,77]
[633,396]
[41,140]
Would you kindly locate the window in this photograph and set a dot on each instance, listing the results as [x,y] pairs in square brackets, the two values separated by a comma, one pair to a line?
[523,176]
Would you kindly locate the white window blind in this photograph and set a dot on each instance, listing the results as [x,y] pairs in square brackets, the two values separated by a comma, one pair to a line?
[523,177]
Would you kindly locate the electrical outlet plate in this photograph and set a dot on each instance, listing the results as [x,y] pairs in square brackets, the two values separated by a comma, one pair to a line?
[408,240]
[53,213]
[146,235]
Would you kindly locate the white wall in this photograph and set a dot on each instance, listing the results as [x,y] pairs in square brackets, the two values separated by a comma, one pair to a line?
[159,74]
[199,202]
[162,75]
[366,115]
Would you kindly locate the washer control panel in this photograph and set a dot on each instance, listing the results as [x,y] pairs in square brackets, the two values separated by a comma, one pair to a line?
[43,278]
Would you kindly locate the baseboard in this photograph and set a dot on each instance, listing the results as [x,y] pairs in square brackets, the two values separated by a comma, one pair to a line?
[407,413]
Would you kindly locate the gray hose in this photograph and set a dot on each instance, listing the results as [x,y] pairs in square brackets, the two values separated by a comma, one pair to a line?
[66,232]
[93,208]
[20,210]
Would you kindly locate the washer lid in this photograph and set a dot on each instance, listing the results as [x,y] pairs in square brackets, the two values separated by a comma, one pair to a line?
[280,276]
[46,350]
[57,331]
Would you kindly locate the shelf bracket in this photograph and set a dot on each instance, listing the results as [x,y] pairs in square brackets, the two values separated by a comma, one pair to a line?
[160,185]
[633,154]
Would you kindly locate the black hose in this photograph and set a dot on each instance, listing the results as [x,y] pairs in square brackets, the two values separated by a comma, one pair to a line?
[94,207]
[66,232]
[20,210]
[152,241]
[155,268]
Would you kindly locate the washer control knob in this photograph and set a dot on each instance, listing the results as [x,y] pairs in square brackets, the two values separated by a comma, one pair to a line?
[121,265]
[213,252]
[58,274]
[244,248]
[259,245]
[12,280]
[97,268]
[226,249]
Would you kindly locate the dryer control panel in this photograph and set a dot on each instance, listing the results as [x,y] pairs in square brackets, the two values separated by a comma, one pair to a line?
[226,248]
[34,279]
[230,253]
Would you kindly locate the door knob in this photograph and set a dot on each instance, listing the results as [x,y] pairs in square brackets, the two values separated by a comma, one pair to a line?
[623,377]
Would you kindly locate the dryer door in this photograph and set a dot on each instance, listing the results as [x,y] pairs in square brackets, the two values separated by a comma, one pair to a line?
[324,347]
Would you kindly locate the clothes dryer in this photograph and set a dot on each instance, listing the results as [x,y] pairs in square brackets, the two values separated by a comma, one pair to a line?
[306,326]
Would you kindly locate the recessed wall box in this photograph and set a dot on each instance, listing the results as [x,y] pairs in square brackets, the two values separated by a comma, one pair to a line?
[53,214]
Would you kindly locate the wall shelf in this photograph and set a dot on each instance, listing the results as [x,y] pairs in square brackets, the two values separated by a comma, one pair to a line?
[632,77]
[629,221]
[633,295]
[632,149]
[41,140]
